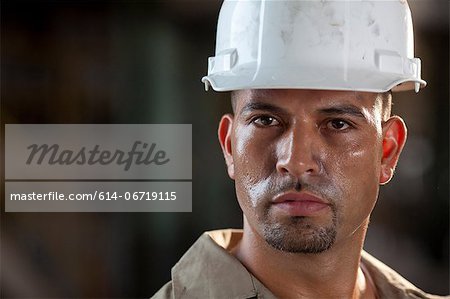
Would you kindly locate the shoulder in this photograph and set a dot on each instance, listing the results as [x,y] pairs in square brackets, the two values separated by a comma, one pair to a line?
[390,284]
[208,270]
[165,292]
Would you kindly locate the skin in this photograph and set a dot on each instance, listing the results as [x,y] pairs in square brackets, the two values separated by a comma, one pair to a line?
[338,146]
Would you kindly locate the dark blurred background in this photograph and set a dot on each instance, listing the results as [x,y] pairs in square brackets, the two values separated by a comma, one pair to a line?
[141,62]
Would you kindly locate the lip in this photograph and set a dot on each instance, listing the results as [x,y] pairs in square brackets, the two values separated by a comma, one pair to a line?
[300,203]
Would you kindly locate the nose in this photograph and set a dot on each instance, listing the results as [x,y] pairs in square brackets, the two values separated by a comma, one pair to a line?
[298,153]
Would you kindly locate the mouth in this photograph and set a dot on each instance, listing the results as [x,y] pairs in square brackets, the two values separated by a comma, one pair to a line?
[300,204]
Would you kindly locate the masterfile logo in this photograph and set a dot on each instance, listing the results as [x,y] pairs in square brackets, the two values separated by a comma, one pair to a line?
[140,153]
[152,151]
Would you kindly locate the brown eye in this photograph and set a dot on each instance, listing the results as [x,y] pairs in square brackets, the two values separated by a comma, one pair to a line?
[338,124]
[266,121]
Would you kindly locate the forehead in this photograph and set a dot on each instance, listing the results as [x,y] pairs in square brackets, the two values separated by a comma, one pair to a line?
[302,98]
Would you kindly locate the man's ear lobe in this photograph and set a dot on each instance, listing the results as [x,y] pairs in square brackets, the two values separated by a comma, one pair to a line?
[394,138]
[224,134]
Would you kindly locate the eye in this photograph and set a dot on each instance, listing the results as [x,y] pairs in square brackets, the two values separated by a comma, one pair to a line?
[266,121]
[338,125]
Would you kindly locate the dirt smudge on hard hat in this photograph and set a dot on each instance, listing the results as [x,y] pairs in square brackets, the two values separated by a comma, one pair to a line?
[293,9]
[376,30]
[246,24]
[334,20]
[286,36]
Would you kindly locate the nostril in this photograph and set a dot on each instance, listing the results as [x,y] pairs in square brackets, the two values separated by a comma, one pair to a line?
[282,168]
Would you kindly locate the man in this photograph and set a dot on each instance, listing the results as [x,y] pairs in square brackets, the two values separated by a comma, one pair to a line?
[310,141]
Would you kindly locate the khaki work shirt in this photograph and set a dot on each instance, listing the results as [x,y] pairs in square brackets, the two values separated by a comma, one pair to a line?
[208,270]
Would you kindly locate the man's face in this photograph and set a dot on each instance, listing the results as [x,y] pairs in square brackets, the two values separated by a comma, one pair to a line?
[306,164]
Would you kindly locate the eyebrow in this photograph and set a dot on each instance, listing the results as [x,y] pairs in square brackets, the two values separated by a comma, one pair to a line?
[344,110]
[252,106]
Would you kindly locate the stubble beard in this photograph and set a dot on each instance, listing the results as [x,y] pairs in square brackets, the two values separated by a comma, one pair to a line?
[298,235]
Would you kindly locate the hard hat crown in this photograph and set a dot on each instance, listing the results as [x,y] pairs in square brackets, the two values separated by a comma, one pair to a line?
[338,45]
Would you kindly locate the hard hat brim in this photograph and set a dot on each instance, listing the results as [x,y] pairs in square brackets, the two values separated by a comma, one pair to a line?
[352,80]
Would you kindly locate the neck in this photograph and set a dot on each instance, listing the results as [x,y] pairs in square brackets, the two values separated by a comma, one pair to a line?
[334,273]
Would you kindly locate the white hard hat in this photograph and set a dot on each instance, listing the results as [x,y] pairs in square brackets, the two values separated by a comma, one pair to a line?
[337,45]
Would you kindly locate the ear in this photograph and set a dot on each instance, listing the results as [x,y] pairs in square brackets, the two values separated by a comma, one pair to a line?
[224,134]
[394,138]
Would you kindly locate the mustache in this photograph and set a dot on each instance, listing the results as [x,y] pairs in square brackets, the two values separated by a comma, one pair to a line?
[325,190]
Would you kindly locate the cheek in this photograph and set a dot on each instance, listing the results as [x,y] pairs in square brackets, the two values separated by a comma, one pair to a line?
[356,158]
[357,170]
[253,162]
[241,144]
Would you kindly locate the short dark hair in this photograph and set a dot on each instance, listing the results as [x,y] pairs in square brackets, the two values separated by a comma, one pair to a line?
[386,104]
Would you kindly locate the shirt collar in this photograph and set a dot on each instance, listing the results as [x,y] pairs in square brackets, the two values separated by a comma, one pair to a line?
[208,270]
[388,283]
